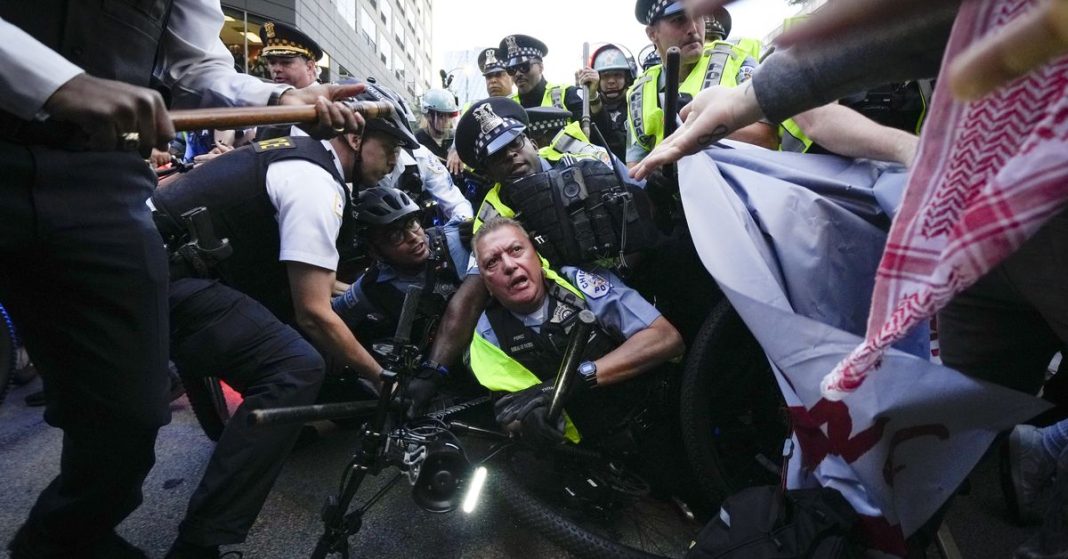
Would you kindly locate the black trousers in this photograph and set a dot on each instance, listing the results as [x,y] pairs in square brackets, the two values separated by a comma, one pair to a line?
[1007,327]
[83,273]
[217,331]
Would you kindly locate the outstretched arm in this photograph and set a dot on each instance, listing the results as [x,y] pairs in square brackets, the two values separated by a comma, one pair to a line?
[458,323]
[644,350]
[846,132]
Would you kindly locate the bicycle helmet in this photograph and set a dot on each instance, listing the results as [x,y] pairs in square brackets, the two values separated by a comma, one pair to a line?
[399,124]
[439,100]
[381,206]
[614,57]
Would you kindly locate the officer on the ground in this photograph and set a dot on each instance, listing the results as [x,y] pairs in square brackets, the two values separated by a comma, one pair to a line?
[491,139]
[520,338]
[290,55]
[702,65]
[286,209]
[617,71]
[388,224]
[77,241]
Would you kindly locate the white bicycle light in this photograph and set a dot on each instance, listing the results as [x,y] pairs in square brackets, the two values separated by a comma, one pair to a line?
[474,489]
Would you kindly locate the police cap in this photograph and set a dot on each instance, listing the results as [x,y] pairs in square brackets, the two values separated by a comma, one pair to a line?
[648,11]
[490,61]
[517,49]
[546,121]
[280,39]
[488,126]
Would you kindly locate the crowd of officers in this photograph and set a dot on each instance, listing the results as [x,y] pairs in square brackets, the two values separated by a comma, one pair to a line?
[323,236]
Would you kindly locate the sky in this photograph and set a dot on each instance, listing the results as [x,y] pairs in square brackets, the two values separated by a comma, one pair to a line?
[564,24]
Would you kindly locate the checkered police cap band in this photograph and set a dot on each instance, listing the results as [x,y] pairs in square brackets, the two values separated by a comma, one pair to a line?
[543,126]
[658,8]
[485,143]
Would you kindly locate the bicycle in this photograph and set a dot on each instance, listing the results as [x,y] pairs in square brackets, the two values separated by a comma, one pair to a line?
[588,500]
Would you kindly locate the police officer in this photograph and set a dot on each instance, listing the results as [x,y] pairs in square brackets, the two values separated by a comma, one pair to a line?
[498,81]
[76,240]
[498,84]
[439,112]
[388,224]
[523,57]
[702,65]
[421,174]
[617,71]
[520,338]
[290,55]
[286,209]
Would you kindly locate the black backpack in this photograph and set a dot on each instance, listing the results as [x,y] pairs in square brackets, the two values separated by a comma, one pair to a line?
[764,522]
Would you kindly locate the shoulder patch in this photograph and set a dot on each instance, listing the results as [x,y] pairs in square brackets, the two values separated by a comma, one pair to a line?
[339,205]
[274,143]
[593,285]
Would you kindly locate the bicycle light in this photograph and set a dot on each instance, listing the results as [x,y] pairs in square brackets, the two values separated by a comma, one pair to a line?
[474,489]
[441,476]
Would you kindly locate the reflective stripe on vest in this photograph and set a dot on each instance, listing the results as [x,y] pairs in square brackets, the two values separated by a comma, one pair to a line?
[792,138]
[719,65]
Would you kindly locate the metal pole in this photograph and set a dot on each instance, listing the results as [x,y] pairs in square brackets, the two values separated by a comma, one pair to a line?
[586,96]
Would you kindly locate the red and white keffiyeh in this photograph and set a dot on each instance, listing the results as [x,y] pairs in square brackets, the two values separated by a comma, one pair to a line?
[988,175]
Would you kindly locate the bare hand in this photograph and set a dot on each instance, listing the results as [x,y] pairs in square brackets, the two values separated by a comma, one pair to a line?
[1031,40]
[712,115]
[588,77]
[454,164]
[335,117]
[107,109]
[159,158]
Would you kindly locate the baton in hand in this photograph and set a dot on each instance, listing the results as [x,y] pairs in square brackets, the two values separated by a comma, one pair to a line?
[671,97]
[586,91]
[245,117]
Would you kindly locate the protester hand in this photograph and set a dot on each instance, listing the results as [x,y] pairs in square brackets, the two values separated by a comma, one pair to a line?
[107,109]
[1031,40]
[421,389]
[588,77]
[335,117]
[515,406]
[712,115]
[454,164]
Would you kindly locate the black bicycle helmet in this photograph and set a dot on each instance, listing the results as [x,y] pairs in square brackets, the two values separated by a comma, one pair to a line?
[382,205]
[398,125]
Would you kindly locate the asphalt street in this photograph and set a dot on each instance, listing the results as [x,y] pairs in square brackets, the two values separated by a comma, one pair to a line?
[289,523]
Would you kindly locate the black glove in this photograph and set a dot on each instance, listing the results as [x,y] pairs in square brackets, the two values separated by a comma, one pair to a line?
[421,389]
[538,430]
[466,229]
[514,406]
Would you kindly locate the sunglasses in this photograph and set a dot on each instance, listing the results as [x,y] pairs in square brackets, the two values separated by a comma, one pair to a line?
[396,234]
[518,69]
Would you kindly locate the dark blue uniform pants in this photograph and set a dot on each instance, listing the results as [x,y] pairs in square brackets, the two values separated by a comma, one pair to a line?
[217,331]
[83,272]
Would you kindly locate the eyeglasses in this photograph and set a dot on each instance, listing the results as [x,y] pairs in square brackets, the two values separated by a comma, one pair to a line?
[506,151]
[518,69]
[396,234]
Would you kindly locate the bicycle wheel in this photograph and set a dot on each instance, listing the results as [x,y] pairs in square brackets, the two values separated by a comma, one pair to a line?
[208,401]
[733,415]
[7,352]
[591,507]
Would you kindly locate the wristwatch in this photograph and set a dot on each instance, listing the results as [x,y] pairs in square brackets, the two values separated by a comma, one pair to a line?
[588,371]
[438,367]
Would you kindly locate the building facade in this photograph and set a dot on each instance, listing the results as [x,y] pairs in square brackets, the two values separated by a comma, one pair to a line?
[389,40]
